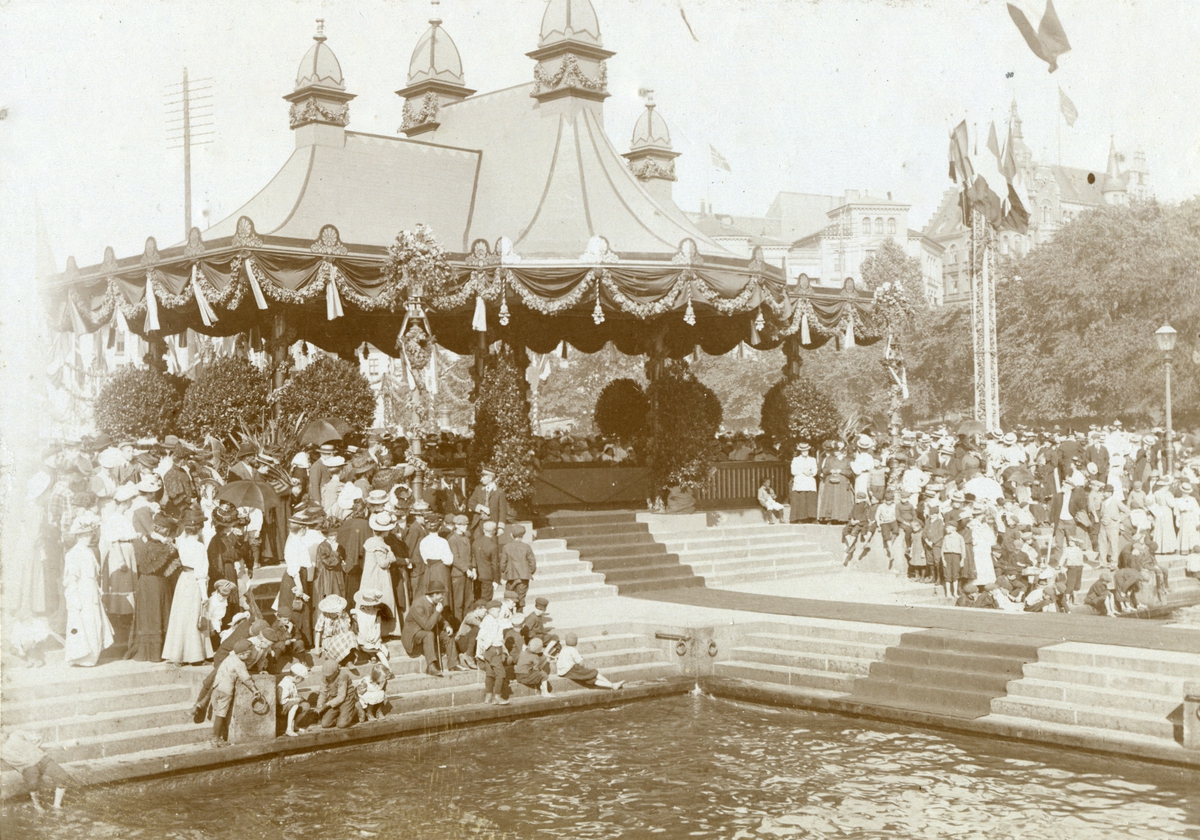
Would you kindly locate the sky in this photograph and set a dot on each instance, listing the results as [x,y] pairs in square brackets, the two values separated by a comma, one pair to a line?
[816,96]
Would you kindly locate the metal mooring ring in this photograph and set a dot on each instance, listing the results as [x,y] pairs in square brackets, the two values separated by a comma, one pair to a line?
[681,647]
[712,647]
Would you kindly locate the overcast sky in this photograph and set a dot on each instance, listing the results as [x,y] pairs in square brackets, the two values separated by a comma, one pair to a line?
[805,96]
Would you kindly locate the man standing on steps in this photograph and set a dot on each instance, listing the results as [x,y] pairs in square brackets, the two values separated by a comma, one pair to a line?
[518,564]
[423,625]
[487,503]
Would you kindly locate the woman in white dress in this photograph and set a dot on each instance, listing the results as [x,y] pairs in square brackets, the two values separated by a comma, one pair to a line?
[1162,505]
[1187,514]
[982,539]
[187,642]
[88,629]
[117,560]
[378,558]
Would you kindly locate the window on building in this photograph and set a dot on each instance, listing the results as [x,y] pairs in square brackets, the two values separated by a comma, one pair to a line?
[866,227]
[879,226]
[1004,244]
[1045,214]
[373,365]
[1020,246]
[892,227]
[120,342]
[953,255]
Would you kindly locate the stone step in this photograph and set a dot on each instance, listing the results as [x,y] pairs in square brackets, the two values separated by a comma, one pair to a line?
[625,556]
[101,723]
[635,586]
[1117,659]
[971,643]
[649,574]
[124,743]
[1071,714]
[1141,682]
[1097,697]
[572,577]
[924,674]
[740,543]
[128,676]
[923,696]
[732,566]
[812,646]
[719,580]
[812,680]
[967,665]
[589,517]
[831,629]
[117,700]
[803,660]
[574,592]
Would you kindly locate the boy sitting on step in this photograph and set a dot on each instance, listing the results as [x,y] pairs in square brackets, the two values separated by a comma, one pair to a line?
[570,665]
[533,668]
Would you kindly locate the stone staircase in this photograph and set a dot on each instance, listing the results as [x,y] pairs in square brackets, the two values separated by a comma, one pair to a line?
[621,548]
[125,711]
[1138,693]
[563,576]
[949,673]
[740,551]
[819,657]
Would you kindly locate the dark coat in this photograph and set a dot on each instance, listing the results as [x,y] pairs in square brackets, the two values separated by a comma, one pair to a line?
[420,616]
[496,503]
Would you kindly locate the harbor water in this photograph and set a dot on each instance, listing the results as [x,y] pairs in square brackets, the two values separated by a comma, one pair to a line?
[688,766]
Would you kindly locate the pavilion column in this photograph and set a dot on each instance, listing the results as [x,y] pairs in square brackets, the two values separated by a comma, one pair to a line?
[279,351]
[795,362]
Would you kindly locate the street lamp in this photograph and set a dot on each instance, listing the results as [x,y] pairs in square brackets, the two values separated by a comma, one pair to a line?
[1165,336]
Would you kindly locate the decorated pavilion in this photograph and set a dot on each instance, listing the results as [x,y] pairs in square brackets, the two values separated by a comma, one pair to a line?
[550,234]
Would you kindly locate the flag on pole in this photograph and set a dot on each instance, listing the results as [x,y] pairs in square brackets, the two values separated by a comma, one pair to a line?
[718,160]
[993,143]
[1041,28]
[1017,217]
[960,157]
[1070,114]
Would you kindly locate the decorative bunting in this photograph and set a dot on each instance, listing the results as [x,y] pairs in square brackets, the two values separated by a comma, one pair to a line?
[333,301]
[207,315]
[255,289]
[479,320]
[431,376]
[151,305]
[77,325]
[121,323]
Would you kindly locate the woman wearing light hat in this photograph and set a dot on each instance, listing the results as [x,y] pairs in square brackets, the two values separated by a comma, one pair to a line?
[88,629]
[378,559]
[1187,516]
[187,640]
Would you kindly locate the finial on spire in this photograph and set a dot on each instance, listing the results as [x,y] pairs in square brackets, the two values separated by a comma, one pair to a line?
[435,20]
[648,95]
[320,36]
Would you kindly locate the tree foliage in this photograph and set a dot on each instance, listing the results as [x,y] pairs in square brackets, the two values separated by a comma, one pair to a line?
[621,410]
[229,394]
[685,415]
[328,387]
[139,402]
[795,410]
[503,435]
[571,390]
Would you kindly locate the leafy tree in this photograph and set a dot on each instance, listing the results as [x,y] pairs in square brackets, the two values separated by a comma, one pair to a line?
[229,394]
[739,379]
[795,410]
[685,415]
[136,402]
[571,391]
[621,410]
[329,387]
[503,435]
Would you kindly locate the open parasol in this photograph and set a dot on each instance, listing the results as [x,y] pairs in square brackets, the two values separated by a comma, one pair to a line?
[255,494]
[984,488]
[971,427]
[323,430]
[1019,475]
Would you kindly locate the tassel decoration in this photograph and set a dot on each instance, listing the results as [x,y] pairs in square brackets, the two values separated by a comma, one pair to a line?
[759,321]
[333,301]
[152,324]
[805,335]
[597,312]
[255,288]
[479,321]
[850,331]
[207,315]
[689,314]
[504,311]
[754,331]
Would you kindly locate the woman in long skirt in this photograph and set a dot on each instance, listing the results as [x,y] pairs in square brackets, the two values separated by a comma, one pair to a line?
[1187,514]
[1162,505]
[295,585]
[157,562]
[836,495]
[378,558]
[187,641]
[88,630]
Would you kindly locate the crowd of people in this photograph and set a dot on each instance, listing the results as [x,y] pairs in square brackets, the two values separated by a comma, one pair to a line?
[1009,520]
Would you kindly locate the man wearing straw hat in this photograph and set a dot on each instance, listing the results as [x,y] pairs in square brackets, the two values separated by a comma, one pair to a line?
[487,502]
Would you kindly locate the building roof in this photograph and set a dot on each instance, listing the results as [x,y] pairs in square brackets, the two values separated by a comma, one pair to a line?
[320,66]
[947,220]
[650,131]
[570,20]
[435,58]
[1073,186]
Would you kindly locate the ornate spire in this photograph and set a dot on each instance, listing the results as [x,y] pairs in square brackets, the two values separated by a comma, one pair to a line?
[435,79]
[1015,121]
[1114,190]
[570,55]
[320,97]
[651,156]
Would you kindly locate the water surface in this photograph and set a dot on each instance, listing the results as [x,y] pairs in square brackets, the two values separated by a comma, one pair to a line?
[675,768]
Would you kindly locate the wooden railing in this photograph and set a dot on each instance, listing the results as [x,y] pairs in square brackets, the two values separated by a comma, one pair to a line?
[736,482]
[733,484]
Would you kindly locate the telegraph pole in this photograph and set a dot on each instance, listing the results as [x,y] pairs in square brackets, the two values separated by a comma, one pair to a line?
[189,107]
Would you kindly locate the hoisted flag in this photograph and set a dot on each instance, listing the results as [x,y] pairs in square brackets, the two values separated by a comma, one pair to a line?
[718,160]
[1070,114]
[1041,28]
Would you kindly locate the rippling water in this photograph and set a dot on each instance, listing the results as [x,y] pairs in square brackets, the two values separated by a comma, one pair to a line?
[679,767]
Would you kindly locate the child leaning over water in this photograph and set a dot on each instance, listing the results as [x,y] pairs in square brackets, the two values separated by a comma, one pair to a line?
[372,692]
[290,701]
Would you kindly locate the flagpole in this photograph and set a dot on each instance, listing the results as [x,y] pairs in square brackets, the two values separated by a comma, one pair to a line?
[1058,131]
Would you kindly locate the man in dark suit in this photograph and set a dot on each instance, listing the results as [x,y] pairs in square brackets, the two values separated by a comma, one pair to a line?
[423,624]
[487,502]
[1097,453]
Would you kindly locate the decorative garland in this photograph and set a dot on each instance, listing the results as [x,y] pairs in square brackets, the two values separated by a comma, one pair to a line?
[428,112]
[417,266]
[728,306]
[570,73]
[481,283]
[386,300]
[639,310]
[804,308]
[648,168]
[552,307]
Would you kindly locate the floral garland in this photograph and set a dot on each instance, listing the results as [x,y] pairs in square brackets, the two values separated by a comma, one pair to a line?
[551,307]
[428,112]
[570,73]
[386,300]
[417,266]
[167,299]
[640,310]
[230,298]
[482,283]
[107,305]
[804,308]
[728,306]
[298,297]
[648,168]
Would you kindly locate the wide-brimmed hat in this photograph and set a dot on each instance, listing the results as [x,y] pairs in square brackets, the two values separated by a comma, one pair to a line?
[1186,487]
[335,461]
[85,523]
[802,447]
[332,604]
[382,521]
[420,506]
[125,492]
[301,460]
[224,517]
[112,458]
[225,587]
[150,483]
[368,597]
[1010,438]
[377,497]
[327,449]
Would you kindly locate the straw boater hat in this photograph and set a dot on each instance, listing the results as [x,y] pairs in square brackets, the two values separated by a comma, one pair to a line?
[327,449]
[1010,438]
[802,447]
[150,483]
[301,460]
[225,587]
[382,521]
[332,604]
[367,598]
[377,497]
[865,442]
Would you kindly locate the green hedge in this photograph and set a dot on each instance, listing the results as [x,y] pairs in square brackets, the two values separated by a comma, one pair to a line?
[796,410]
[681,428]
[139,402]
[228,394]
[503,434]
[329,387]
[621,410]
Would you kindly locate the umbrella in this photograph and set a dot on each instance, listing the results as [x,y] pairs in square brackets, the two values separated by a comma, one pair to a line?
[255,494]
[1019,475]
[984,488]
[971,427]
[322,430]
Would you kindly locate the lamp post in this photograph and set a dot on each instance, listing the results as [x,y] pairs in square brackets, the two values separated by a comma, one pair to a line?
[1165,336]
